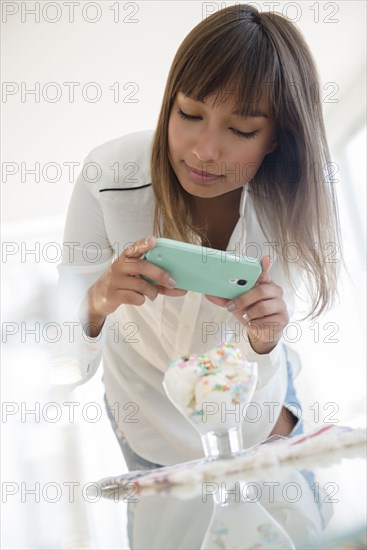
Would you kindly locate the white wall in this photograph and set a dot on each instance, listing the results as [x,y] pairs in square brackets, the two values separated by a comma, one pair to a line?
[140,52]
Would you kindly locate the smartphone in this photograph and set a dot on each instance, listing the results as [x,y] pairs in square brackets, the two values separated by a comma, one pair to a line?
[205,270]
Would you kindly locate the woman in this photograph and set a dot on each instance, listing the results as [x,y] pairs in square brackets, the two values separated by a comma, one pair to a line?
[236,163]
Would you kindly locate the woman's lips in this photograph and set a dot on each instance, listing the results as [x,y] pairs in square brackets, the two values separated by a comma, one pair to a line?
[199,176]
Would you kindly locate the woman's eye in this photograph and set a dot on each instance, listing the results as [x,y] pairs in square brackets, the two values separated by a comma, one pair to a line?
[185,116]
[246,135]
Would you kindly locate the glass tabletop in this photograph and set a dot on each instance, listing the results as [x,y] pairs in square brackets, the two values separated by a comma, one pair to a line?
[315,502]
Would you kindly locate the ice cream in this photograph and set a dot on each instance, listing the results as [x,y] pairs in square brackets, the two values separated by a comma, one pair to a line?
[212,389]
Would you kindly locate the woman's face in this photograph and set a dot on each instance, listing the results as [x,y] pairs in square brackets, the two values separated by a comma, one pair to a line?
[212,150]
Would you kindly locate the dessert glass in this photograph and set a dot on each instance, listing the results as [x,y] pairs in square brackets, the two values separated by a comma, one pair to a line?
[212,391]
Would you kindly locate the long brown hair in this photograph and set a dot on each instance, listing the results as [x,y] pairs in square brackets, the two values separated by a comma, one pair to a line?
[241,49]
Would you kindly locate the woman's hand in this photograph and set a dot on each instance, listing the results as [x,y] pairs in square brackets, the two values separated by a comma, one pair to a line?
[262,310]
[122,284]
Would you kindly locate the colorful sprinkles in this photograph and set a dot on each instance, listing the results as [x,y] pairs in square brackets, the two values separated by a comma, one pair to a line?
[222,370]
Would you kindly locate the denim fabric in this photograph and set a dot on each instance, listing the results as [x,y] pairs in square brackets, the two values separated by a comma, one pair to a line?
[291,401]
[136,462]
[133,460]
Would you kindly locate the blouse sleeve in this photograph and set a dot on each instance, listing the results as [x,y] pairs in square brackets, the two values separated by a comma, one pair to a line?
[86,254]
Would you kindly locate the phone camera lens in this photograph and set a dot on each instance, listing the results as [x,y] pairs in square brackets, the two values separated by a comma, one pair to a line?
[242,282]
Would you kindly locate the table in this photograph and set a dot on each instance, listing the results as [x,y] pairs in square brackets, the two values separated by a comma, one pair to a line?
[315,502]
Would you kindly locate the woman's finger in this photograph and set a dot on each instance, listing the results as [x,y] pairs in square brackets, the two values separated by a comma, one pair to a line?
[139,248]
[261,310]
[265,273]
[170,291]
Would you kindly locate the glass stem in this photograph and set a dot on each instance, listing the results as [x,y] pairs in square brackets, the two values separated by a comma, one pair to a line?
[223,444]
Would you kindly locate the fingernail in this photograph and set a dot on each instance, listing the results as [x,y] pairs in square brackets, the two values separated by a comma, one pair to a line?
[171,281]
[148,240]
[245,317]
[231,306]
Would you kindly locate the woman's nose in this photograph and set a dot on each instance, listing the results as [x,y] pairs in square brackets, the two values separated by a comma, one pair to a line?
[207,147]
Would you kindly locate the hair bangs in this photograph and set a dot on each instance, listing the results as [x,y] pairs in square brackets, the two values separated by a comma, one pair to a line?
[244,73]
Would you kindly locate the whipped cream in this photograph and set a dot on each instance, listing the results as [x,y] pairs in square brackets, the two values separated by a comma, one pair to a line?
[213,389]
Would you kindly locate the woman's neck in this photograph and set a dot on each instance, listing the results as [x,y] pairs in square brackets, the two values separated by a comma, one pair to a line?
[217,216]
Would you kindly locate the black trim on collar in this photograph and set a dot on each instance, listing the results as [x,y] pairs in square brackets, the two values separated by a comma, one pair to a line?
[124,189]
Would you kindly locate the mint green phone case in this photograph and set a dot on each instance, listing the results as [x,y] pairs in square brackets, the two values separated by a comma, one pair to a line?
[205,270]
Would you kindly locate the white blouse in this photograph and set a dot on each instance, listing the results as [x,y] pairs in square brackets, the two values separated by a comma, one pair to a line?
[111,207]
